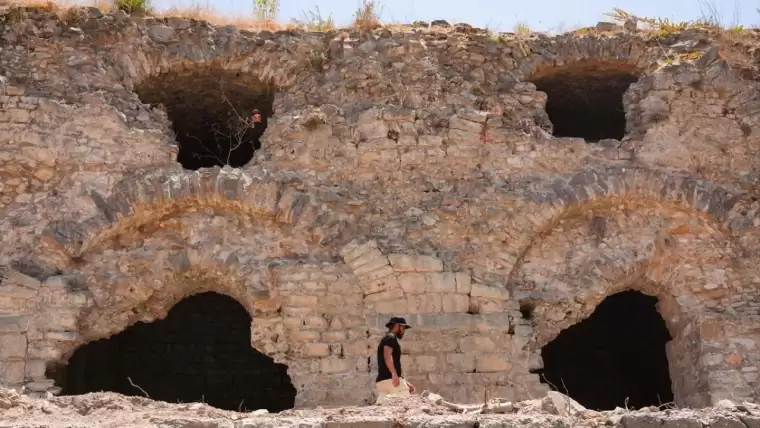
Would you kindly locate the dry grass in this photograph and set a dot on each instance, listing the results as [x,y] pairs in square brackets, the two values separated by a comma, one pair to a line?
[367,16]
[208,13]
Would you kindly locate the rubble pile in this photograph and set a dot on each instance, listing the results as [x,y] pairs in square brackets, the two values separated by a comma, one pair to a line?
[428,409]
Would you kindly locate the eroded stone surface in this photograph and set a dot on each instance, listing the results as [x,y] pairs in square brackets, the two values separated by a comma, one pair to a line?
[403,173]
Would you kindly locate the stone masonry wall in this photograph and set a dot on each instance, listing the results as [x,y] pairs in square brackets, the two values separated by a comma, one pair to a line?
[409,172]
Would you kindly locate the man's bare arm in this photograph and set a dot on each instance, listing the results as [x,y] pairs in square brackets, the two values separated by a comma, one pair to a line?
[388,357]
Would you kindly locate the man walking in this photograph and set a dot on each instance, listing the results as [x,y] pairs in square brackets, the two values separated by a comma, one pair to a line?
[389,377]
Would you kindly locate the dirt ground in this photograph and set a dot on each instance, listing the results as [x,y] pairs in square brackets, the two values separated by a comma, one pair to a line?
[108,409]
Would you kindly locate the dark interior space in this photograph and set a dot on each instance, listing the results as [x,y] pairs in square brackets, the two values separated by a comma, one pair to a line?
[212,113]
[585,100]
[201,352]
[616,353]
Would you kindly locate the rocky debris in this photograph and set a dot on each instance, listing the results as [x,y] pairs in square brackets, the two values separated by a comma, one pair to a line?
[425,410]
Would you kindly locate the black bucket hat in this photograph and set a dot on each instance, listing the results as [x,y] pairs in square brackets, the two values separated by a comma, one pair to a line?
[398,320]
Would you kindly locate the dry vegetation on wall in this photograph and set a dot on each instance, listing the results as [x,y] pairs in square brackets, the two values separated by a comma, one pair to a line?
[367,18]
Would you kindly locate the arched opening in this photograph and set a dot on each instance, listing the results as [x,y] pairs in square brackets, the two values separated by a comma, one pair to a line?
[201,352]
[585,99]
[212,111]
[614,358]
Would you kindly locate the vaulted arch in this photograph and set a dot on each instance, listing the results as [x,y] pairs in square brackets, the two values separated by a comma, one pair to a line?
[680,260]
[141,204]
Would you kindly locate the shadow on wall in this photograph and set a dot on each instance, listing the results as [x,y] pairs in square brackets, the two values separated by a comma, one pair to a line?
[585,99]
[614,358]
[212,111]
[201,352]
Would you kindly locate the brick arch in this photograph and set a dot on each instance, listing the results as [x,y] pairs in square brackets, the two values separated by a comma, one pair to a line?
[685,270]
[569,49]
[601,190]
[139,204]
[684,351]
[279,67]
[131,289]
[172,279]
[651,269]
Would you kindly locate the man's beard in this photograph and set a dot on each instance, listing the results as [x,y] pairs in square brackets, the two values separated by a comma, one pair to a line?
[400,334]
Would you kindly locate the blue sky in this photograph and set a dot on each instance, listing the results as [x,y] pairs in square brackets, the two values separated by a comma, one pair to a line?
[541,15]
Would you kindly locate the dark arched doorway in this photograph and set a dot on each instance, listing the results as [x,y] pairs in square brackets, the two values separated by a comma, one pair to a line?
[585,99]
[201,352]
[614,358]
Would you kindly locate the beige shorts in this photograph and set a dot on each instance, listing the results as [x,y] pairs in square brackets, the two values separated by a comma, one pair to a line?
[385,388]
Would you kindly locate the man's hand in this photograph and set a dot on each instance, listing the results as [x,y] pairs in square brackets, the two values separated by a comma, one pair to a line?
[396,380]
[411,387]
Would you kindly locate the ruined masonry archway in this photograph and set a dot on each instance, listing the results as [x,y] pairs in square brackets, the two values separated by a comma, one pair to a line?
[587,263]
[141,203]
[199,353]
[218,115]
[585,98]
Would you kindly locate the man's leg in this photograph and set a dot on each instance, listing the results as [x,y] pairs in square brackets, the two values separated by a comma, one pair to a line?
[385,388]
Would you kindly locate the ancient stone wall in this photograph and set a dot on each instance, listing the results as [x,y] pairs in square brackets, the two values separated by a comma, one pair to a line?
[409,172]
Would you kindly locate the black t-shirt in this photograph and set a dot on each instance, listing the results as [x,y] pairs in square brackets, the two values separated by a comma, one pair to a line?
[382,370]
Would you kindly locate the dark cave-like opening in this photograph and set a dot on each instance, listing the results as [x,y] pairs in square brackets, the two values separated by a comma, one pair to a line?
[585,100]
[213,114]
[616,354]
[201,352]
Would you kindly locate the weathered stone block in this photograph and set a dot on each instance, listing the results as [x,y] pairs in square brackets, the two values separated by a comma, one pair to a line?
[441,283]
[392,307]
[334,336]
[455,303]
[680,422]
[455,122]
[61,336]
[379,285]
[316,350]
[12,346]
[315,322]
[368,262]
[457,138]
[392,294]
[464,282]
[480,290]
[443,344]
[378,273]
[418,263]
[14,277]
[301,301]
[461,362]
[335,365]
[267,306]
[727,422]
[304,336]
[430,140]
[56,321]
[35,369]
[484,305]
[14,323]
[355,249]
[482,344]
[359,347]
[492,363]
[425,303]
[424,363]
[11,372]
[377,129]
[413,283]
